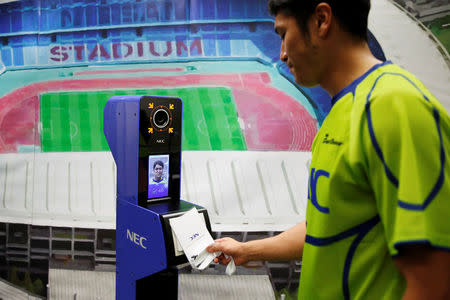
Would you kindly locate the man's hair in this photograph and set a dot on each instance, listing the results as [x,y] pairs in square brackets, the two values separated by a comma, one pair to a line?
[158,162]
[351,15]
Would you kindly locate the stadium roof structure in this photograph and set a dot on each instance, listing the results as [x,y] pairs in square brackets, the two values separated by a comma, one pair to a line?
[408,43]
[242,190]
[9,291]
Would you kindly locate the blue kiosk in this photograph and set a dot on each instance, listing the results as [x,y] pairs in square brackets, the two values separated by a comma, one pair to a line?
[144,135]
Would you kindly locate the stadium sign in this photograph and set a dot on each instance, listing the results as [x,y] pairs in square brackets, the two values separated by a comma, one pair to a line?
[126,51]
[166,49]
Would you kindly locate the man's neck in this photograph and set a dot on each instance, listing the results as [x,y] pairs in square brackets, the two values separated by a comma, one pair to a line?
[346,64]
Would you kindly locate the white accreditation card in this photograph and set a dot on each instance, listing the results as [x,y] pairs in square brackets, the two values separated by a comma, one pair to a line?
[193,236]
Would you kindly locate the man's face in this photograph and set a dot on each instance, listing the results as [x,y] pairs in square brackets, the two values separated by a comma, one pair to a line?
[297,51]
[157,172]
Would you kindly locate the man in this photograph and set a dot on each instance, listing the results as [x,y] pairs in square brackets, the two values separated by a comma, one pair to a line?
[158,185]
[158,167]
[378,215]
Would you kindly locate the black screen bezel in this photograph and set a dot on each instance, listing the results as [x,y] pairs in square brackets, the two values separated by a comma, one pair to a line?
[150,144]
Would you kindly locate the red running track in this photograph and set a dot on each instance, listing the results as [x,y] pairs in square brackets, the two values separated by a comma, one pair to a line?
[272,119]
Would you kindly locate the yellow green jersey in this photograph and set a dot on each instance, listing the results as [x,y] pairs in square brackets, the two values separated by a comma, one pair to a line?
[379,179]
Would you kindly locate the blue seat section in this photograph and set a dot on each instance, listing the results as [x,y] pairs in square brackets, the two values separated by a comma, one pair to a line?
[19,16]
[18,51]
[55,15]
[6,56]
[152,43]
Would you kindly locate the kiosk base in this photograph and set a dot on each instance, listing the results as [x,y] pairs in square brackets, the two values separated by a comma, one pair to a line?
[164,283]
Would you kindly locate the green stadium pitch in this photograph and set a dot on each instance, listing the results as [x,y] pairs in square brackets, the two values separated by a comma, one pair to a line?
[72,121]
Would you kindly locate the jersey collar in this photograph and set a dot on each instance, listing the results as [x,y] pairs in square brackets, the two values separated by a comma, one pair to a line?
[352,86]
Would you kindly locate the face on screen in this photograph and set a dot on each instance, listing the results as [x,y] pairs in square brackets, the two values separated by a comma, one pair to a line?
[158,173]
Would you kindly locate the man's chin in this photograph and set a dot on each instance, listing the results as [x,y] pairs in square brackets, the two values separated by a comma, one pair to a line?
[305,83]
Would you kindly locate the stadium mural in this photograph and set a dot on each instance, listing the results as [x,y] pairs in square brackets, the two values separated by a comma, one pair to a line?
[61,61]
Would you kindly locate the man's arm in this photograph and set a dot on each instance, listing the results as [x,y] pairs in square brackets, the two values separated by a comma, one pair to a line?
[287,245]
[427,272]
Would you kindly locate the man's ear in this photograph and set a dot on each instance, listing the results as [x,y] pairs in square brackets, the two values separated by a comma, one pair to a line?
[323,15]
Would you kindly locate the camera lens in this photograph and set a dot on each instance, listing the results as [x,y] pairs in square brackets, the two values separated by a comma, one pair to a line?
[161,118]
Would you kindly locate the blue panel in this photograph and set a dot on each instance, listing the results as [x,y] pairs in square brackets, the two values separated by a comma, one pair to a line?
[224,44]
[115,14]
[44,20]
[29,40]
[208,28]
[238,27]
[91,15]
[152,12]
[139,13]
[5,22]
[78,36]
[180,11]
[133,260]
[30,20]
[66,38]
[209,9]
[6,56]
[164,32]
[126,14]
[237,9]
[128,34]
[28,5]
[16,18]
[104,15]
[50,19]
[114,33]
[91,36]
[78,17]
[223,9]
[44,40]
[180,29]
[18,56]
[195,10]
[253,9]
[15,41]
[209,45]
[121,132]
[167,12]
[66,18]
[45,4]
[223,28]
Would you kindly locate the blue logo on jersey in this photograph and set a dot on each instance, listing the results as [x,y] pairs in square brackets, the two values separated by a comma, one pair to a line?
[312,194]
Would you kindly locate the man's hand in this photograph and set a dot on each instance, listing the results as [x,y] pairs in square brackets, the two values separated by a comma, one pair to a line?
[287,245]
[231,247]
[427,272]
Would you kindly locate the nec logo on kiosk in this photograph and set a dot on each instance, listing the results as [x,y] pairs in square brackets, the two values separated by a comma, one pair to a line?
[136,238]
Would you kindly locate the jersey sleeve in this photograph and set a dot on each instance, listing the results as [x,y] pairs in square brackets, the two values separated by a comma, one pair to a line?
[406,140]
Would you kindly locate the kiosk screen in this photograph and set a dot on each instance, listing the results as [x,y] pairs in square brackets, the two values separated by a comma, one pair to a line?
[158,174]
